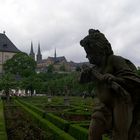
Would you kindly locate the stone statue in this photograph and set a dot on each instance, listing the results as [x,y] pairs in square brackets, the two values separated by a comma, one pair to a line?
[117,106]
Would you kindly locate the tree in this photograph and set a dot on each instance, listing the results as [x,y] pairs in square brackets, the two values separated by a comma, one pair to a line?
[50,69]
[31,83]
[7,82]
[78,68]
[20,64]
[62,68]
[59,84]
[22,67]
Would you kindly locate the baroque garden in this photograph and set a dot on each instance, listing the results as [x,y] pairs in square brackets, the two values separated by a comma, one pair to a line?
[42,99]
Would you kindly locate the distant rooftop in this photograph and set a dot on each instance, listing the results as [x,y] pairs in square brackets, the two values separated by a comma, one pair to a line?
[6,45]
[57,59]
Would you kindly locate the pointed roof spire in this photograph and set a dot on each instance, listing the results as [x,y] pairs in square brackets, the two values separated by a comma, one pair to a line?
[39,52]
[55,59]
[39,55]
[32,54]
[31,51]
[55,53]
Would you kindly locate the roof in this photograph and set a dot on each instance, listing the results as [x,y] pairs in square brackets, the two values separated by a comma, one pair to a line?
[6,45]
[58,59]
[32,51]
[74,64]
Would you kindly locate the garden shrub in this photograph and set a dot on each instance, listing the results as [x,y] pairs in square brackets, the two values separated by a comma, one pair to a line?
[32,107]
[79,113]
[45,124]
[86,122]
[78,132]
[3,134]
[61,123]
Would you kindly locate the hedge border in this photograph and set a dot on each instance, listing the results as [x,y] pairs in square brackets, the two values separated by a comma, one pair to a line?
[80,133]
[74,130]
[45,124]
[61,123]
[3,133]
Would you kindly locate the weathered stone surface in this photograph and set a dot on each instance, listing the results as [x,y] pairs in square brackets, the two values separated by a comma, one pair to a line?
[117,89]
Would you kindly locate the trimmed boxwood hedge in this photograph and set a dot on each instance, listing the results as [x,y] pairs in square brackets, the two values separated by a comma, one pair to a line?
[78,132]
[34,108]
[61,123]
[45,124]
[74,130]
[3,134]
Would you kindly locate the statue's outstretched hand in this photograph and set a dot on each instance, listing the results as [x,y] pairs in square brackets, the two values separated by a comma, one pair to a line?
[108,78]
[113,82]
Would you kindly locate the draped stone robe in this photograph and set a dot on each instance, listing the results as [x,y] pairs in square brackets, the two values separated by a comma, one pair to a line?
[118,106]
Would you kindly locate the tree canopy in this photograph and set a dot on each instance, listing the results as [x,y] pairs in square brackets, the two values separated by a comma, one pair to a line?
[20,64]
[22,67]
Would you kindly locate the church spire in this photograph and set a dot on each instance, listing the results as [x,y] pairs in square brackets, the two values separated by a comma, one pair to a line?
[55,59]
[55,54]
[32,54]
[39,55]
[39,52]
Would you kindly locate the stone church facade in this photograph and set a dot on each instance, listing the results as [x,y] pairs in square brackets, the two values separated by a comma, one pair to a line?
[59,63]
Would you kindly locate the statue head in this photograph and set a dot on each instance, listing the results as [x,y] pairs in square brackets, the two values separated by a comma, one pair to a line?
[96,46]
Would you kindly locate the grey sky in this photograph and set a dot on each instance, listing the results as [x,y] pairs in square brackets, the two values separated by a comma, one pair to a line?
[61,24]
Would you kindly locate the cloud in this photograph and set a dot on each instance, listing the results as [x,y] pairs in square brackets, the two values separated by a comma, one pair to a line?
[63,24]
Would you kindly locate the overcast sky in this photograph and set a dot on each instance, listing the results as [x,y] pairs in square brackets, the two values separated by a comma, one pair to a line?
[61,24]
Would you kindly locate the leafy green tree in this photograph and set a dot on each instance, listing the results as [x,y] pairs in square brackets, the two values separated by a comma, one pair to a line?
[62,68]
[22,67]
[31,83]
[60,84]
[50,69]
[7,82]
[78,68]
[20,64]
